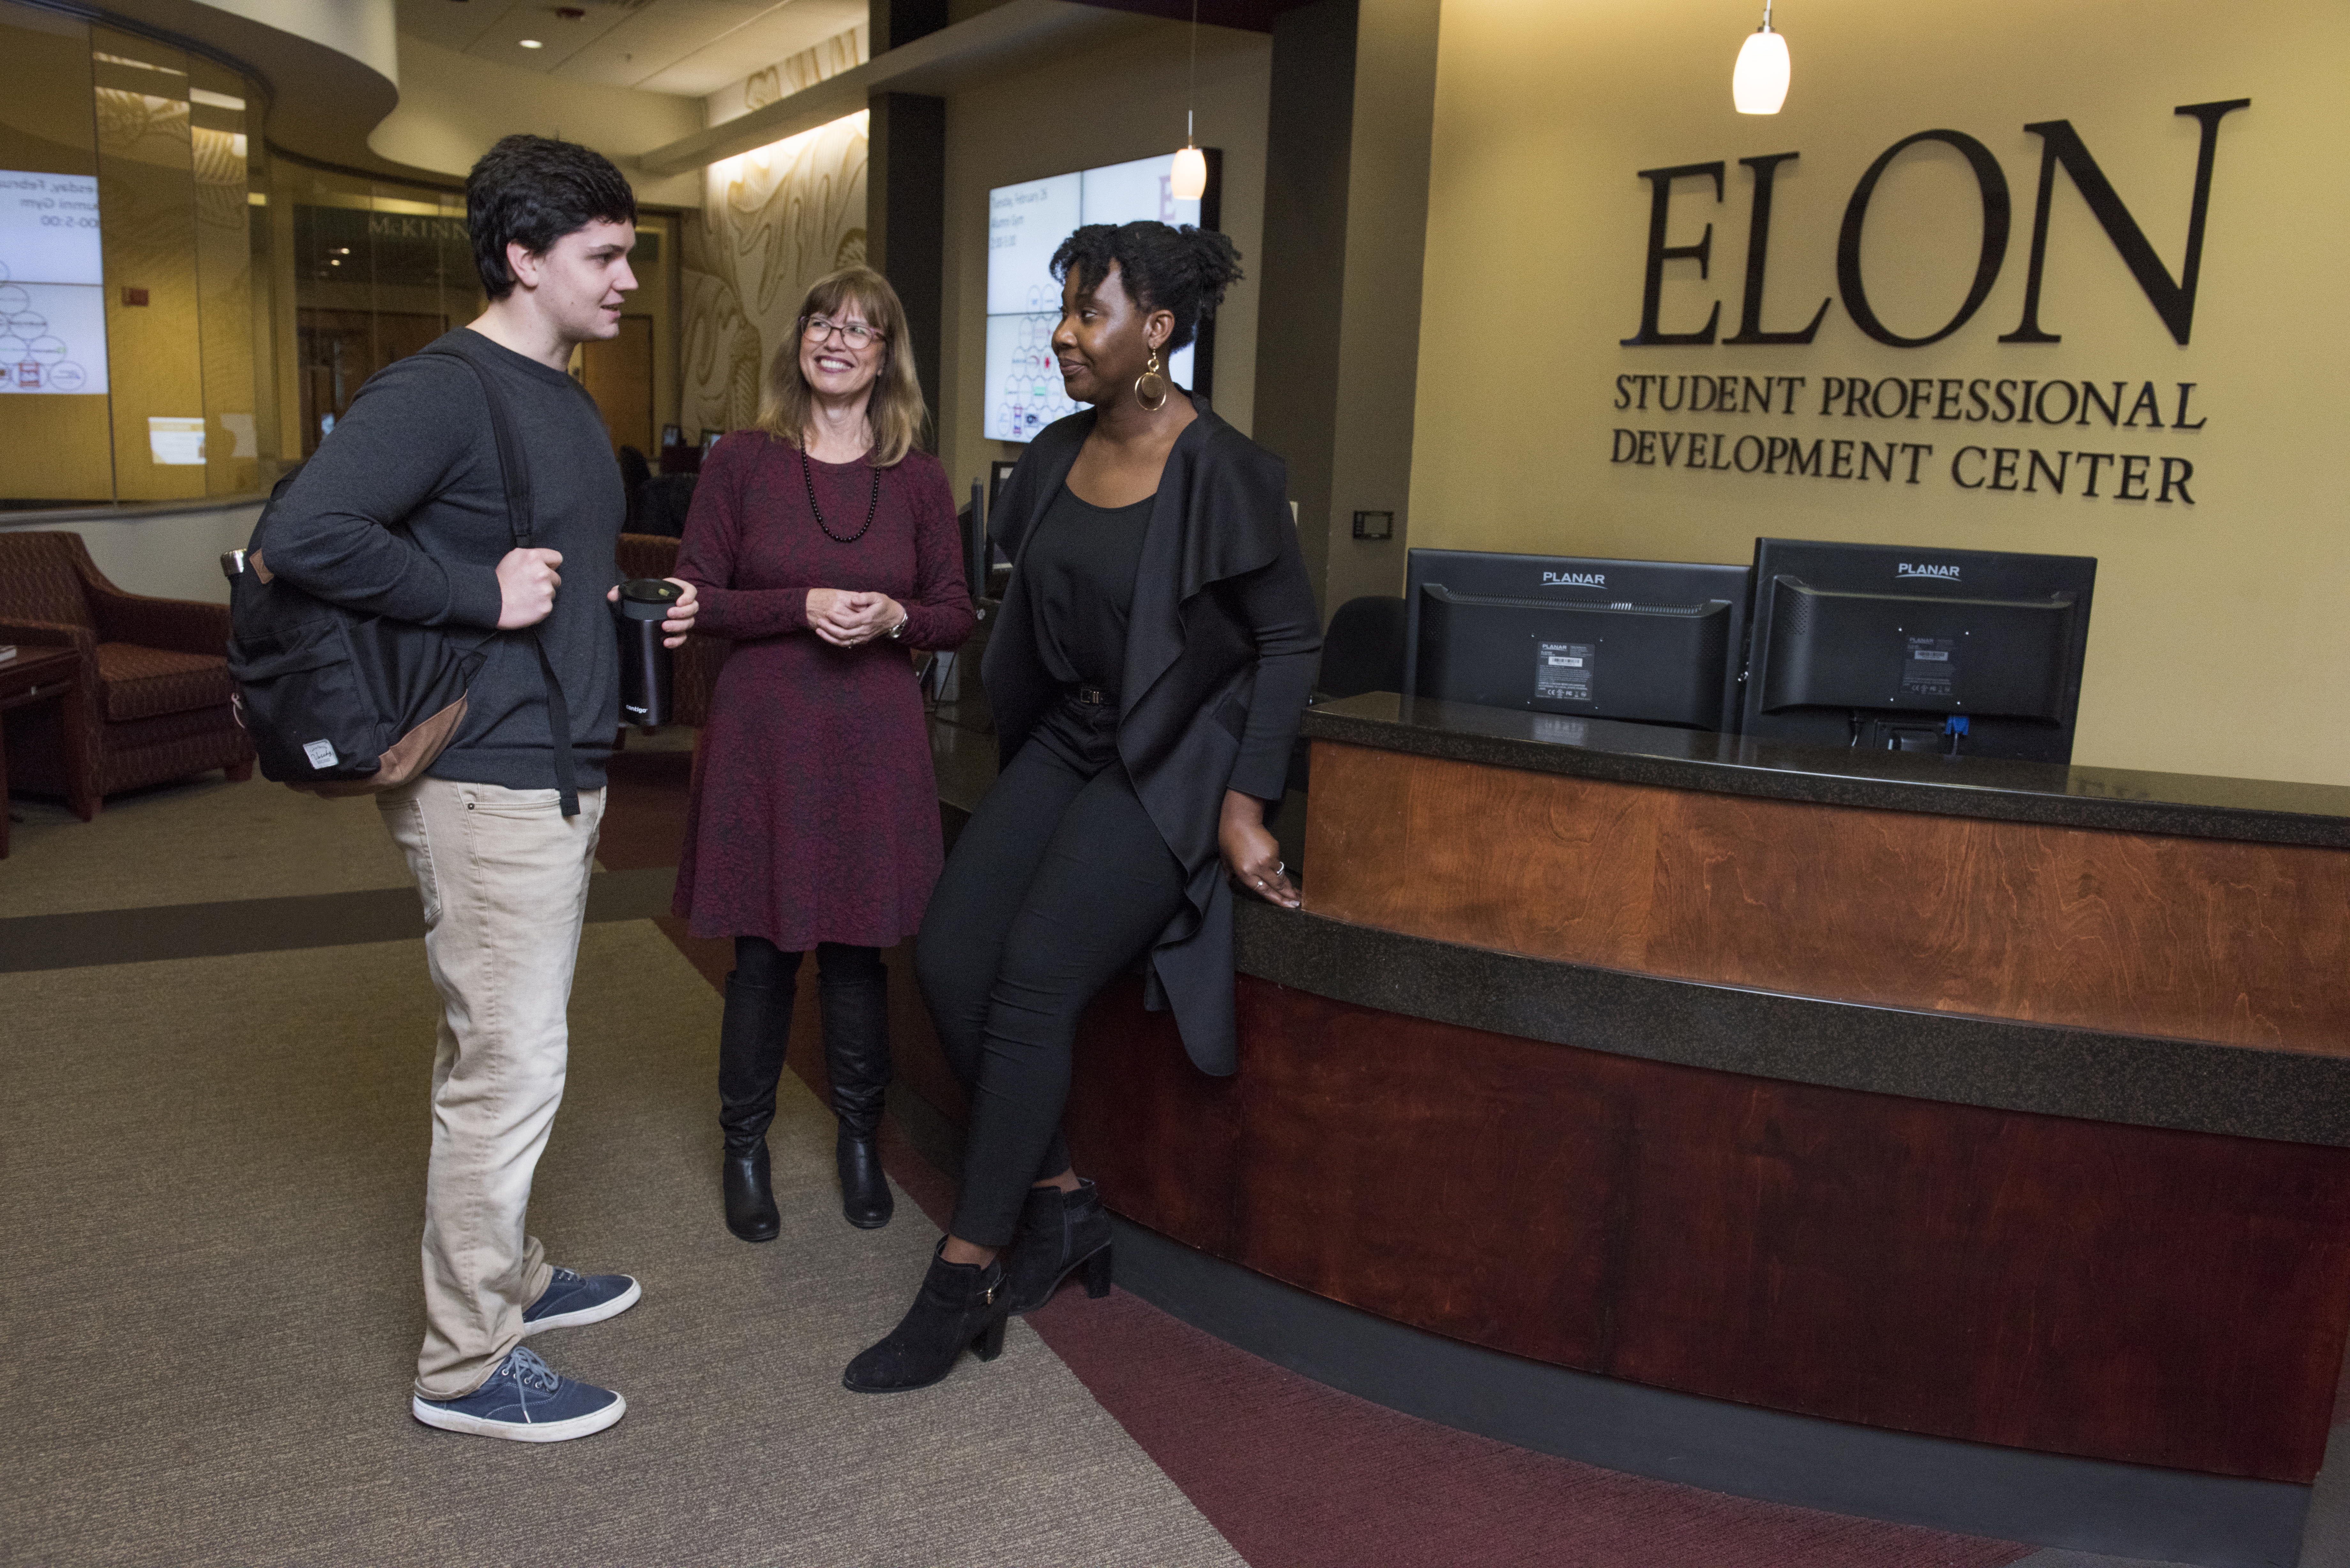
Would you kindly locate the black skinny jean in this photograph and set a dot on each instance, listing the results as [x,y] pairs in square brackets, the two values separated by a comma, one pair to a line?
[1057,884]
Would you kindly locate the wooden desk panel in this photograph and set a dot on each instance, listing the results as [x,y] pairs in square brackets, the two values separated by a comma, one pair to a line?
[2131,1293]
[1152,1129]
[2187,938]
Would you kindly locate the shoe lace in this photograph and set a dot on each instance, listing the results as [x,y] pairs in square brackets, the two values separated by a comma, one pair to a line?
[562,1276]
[526,1369]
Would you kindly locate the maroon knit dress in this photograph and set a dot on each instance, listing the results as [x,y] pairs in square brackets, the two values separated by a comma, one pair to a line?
[814,815]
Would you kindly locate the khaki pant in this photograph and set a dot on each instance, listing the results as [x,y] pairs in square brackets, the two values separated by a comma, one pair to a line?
[503,876]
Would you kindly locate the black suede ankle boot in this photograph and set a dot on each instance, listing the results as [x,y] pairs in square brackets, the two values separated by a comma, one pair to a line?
[1058,1232]
[856,1060]
[960,1304]
[751,1044]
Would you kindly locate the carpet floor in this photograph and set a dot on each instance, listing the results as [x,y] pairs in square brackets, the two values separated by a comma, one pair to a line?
[209,1171]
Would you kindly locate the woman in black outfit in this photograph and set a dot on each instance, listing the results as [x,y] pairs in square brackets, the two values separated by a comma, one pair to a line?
[1147,673]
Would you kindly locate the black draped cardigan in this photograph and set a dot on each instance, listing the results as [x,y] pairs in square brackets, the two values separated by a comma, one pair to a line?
[1220,658]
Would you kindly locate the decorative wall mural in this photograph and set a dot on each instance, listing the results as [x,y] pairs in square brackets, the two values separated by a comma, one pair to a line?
[841,52]
[772,221]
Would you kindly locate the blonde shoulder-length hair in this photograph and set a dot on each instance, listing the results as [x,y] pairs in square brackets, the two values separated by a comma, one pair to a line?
[895,414]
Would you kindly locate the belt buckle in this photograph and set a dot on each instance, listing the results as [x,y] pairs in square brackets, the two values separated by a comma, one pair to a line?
[1095,697]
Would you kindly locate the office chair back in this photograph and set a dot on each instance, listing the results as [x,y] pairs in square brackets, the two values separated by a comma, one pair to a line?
[1363,649]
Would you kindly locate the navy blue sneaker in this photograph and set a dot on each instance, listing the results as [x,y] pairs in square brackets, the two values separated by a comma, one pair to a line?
[526,1401]
[570,1300]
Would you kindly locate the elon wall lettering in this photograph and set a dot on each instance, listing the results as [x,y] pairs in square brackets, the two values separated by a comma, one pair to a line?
[2173,299]
[2036,464]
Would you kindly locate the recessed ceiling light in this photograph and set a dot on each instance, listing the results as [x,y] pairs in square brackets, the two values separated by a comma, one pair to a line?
[532,44]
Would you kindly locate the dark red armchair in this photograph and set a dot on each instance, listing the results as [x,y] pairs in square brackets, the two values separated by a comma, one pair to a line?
[155,687]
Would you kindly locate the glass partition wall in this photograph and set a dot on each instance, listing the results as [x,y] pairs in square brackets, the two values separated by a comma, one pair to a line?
[134,325]
[376,272]
[182,314]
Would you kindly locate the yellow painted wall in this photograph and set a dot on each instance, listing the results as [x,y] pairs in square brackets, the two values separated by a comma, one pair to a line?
[2219,640]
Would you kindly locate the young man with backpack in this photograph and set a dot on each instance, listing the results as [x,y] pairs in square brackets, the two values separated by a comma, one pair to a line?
[403,513]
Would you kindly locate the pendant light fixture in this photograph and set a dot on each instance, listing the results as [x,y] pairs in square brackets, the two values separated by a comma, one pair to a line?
[1189,181]
[1759,85]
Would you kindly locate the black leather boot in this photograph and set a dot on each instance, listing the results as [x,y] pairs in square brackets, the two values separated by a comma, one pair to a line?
[960,1304]
[1058,1232]
[856,1060]
[751,1044]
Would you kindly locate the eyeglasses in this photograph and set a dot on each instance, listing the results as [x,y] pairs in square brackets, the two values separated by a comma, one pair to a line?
[815,330]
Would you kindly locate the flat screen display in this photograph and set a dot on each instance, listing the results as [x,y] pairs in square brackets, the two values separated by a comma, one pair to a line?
[1917,649]
[1025,225]
[52,293]
[1652,642]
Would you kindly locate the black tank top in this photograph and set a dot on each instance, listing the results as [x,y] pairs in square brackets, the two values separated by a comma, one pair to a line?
[1081,565]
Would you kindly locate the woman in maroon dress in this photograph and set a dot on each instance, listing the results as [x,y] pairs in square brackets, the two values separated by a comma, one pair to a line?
[823,543]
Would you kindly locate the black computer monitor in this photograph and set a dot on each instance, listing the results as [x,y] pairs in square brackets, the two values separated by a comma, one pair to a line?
[1905,647]
[1657,642]
[972,521]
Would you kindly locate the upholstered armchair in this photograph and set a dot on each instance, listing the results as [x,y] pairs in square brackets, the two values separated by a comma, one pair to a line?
[693,672]
[155,687]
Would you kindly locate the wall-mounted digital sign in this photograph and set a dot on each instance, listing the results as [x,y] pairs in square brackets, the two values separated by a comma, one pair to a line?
[52,295]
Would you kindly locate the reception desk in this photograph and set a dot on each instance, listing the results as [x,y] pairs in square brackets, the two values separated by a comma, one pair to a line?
[1954,1141]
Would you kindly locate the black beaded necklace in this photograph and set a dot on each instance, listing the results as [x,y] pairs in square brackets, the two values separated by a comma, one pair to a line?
[872,503]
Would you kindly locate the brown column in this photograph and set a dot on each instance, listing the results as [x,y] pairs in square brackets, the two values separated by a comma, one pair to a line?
[1346,156]
[906,216]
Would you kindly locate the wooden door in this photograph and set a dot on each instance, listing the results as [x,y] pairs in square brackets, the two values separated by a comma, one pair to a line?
[618,375]
[339,349]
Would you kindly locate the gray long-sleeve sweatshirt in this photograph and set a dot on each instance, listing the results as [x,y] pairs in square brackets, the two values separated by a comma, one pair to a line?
[402,513]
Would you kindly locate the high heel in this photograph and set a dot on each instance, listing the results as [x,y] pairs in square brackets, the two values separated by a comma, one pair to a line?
[960,1306]
[1097,1274]
[1059,1231]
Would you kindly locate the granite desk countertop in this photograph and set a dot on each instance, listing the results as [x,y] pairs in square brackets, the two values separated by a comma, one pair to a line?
[2118,799]
[2193,1085]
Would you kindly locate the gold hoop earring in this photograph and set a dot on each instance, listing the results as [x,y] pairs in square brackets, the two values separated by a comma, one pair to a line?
[1150,387]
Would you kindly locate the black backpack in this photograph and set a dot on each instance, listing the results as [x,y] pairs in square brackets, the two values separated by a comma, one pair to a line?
[340,702]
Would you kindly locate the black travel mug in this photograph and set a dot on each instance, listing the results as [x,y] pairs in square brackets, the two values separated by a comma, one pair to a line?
[644,663]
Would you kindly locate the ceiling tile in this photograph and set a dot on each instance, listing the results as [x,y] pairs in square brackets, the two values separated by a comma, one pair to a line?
[779,35]
[689,47]
[453,24]
[657,36]
[560,37]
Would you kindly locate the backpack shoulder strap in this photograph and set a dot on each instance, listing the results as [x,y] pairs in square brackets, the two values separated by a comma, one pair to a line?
[513,467]
[516,473]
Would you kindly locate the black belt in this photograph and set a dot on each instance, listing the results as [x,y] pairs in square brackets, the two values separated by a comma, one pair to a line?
[1092,697]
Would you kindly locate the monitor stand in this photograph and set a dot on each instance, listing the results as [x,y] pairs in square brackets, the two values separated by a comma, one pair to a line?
[1906,733]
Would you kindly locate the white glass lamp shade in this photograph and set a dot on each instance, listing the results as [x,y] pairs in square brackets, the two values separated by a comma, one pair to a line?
[1759,85]
[1190,181]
